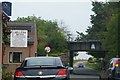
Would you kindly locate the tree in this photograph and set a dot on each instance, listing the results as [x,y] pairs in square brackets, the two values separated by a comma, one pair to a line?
[98,29]
[112,39]
[105,27]
[5,34]
[48,33]
[98,20]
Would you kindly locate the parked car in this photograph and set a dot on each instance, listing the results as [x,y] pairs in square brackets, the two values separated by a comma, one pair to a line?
[40,68]
[113,70]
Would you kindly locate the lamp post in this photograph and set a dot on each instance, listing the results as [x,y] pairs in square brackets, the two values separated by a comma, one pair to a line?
[0,40]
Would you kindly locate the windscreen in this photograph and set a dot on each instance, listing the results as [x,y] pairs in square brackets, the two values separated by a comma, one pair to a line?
[43,62]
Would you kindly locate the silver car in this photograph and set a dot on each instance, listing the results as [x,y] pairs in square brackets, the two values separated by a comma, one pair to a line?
[113,70]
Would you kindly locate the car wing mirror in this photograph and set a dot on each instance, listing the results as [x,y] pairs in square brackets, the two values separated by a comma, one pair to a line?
[69,68]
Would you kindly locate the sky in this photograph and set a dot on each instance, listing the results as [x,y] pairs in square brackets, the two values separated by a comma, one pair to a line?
[82,55]
[52,0]
[74,14]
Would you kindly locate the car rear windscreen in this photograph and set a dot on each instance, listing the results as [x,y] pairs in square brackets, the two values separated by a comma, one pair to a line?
[44,62]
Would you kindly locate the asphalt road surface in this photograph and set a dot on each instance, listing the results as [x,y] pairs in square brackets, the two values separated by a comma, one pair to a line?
[83,73]
[84,77]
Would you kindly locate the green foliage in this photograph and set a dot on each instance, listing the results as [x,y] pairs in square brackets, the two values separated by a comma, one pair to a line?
[5,34]
[92,60]
[105,27]
[96,63]
[98,20]
[96,66]
[48,33]
[75,54]
[111,41]
[6,75]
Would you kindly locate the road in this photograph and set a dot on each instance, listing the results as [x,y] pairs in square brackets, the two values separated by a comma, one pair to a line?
[84,77]
[84,73]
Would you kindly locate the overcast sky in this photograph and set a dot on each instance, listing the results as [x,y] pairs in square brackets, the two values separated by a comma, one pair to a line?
[75,14]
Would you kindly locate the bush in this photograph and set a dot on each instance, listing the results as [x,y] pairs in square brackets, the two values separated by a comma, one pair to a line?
[6,75]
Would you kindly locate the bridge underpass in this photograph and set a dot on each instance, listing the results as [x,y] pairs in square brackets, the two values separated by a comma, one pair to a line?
[93,46]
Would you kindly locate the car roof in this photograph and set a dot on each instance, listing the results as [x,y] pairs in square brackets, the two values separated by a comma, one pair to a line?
[114,59]
[41,57]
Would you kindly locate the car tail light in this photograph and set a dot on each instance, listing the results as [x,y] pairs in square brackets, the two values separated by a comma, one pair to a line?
[18,73]
[62,72]
[116,63]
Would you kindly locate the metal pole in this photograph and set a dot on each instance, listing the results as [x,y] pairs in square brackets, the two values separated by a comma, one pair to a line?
[46,54]
[0,40]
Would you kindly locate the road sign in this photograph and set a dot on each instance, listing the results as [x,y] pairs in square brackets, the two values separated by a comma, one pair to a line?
[7,8]
[47,49]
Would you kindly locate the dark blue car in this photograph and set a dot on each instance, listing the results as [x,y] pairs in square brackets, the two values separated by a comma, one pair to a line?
[80,66]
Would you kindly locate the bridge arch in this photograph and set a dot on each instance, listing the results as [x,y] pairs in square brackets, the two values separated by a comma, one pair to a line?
[94,46]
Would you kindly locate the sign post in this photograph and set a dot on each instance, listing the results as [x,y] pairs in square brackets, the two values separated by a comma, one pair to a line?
[0,41]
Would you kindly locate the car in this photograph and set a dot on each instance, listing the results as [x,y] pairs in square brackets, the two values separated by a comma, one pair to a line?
[40,68]
[113,70]
[80,66]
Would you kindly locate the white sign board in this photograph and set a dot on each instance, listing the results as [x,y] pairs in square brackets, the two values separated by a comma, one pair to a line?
[18,38]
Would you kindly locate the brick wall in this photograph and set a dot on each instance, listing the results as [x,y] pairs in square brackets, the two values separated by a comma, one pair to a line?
[28,51]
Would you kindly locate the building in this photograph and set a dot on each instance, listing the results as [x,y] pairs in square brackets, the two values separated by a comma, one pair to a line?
[13,56]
